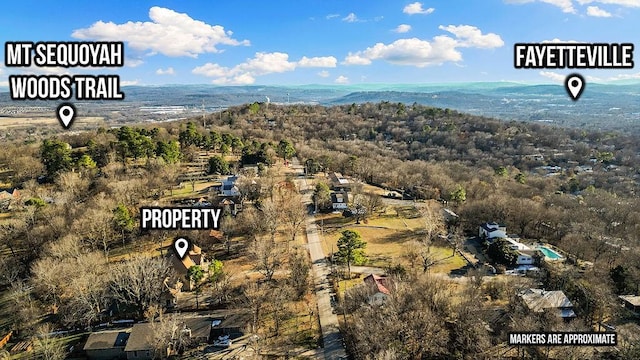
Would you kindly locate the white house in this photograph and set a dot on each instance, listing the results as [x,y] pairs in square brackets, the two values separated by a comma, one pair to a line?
[229,187]
[339,200]
[492,230]
[525,258]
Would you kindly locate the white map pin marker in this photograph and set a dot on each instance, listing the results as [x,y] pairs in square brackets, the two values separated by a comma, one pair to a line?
[65,113]
[181,246]
[574,84]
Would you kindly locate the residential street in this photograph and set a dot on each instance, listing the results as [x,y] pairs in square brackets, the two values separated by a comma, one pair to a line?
[332,339]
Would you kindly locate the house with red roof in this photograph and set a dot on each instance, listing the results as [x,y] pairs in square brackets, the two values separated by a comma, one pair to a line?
[379,289]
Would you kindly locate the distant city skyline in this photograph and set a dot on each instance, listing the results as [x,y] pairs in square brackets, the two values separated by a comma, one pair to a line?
[324,42]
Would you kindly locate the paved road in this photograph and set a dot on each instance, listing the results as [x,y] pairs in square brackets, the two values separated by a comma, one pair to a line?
[332,339]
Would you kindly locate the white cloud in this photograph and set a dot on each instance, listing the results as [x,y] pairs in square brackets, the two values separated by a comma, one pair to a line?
[169,33]
[565,5]
[241,79]
[471,36]
[412,51]
[597,12]
[261,64]
[341,80]
[556,40]
[402,28]
[324,74]
[416,8]
[351,18]
[129,82]
[356,59]
[332,16]
[553,76]
[167,71]
[421,53]
[322,61]
[635,76]
[267,63]
[132,62]
[625,3]
[210,70]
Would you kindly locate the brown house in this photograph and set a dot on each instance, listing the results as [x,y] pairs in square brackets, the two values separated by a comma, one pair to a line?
[194,257]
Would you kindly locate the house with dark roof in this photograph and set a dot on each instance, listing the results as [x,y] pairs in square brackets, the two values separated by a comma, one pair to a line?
[140,344]
[230,207]
[339,182]
[540,300]
[106,345]
[379,289]
[339,200]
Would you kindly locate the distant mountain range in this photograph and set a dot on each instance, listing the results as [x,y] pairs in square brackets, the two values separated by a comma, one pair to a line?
[602,106]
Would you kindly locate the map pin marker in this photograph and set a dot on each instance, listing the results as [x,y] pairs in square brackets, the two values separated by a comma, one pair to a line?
[574,84]
[181,246]
[65,113]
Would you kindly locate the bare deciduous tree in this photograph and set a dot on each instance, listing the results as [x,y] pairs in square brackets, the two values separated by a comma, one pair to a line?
[140,282]
[267,257]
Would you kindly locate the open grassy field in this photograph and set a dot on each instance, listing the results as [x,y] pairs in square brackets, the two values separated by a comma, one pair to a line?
[387,239]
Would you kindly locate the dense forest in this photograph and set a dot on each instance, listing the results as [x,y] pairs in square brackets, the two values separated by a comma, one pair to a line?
[574,189]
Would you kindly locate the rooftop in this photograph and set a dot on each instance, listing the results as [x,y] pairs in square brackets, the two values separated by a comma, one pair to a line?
[106,340]
[538,300]
[631,299]
[379,282]
[140,338]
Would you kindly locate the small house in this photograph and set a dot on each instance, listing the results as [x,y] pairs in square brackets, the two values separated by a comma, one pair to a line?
[106,345]
[379,289]
[526,257]
[7,196]
[631,302]
[492,230]
[140,344]
[229,188]
[339,182]
[540,300]
[230,207]
[339,200]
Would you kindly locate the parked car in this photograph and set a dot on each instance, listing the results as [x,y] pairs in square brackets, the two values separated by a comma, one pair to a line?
[222,341]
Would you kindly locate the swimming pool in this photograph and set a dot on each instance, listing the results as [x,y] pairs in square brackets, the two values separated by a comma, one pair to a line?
[549,253]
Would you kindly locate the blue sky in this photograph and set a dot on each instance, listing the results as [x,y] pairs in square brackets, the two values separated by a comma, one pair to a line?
[323,41]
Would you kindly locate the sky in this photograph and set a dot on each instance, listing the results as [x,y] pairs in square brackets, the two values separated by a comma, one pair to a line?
[328,42]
